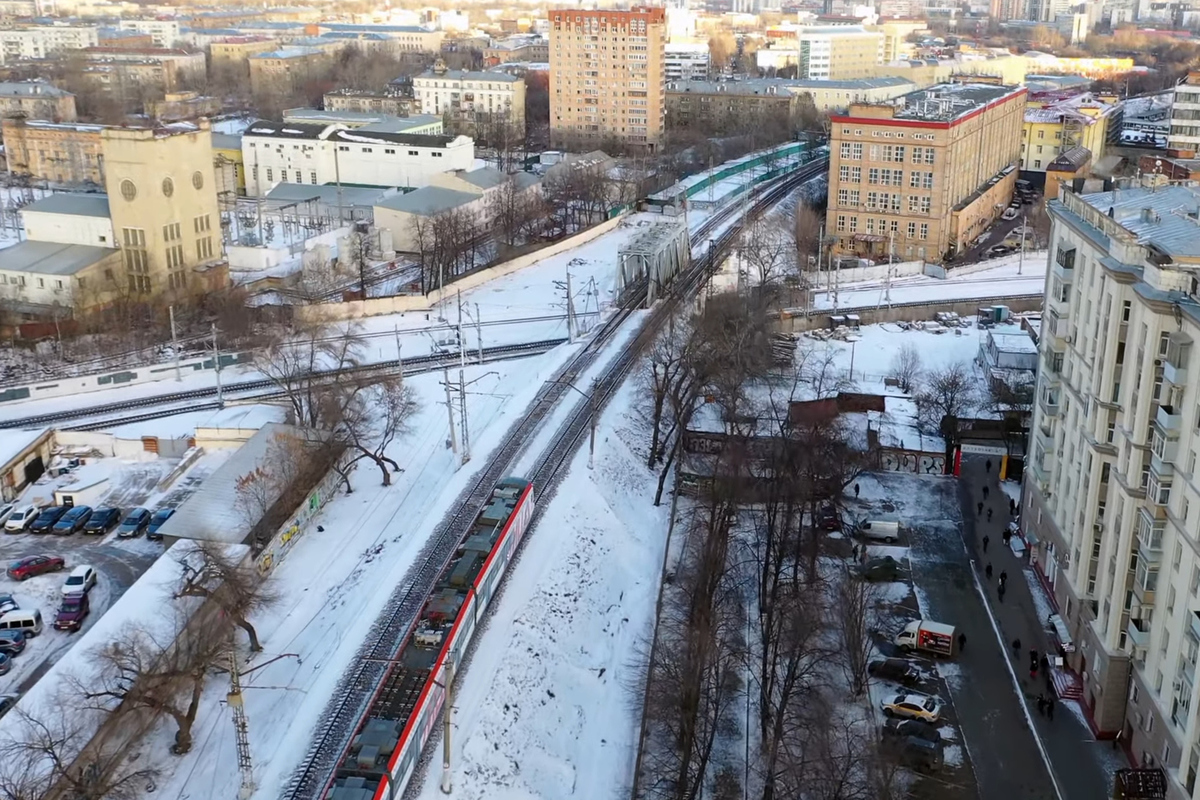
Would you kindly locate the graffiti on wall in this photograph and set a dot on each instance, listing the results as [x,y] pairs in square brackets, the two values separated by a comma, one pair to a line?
[916,463]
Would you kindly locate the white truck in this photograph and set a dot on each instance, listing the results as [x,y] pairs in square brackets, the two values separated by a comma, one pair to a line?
[929,637]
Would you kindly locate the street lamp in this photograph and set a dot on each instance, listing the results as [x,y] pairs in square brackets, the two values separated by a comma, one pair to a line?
[591,398]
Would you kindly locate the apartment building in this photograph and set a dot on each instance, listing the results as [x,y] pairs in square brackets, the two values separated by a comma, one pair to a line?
[1056,124]
[1111,494]
[465,97]
[36,100]
[165,69]
[44,41]
[924,175]
[607,76]
[525,47]
[64,154]
[825,52]
[686,61]
[402,38]
[697,102]
[162,32]
[1185,115]
[373,155]
[233,52]
[284,70]
[390,101]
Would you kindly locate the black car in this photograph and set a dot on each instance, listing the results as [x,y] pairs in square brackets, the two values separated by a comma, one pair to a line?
[134,524]
[45,521]
[73,520]
[916,728]
[156,522]
[102,521]
[895,669]
[828,518]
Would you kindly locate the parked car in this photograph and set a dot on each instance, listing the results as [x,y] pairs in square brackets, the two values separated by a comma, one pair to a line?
[1009,213]
[879,530]
[8,603]
[913,706]
[18,521]
[134,524]
[102,520]
[156,522]
[73,521]
[81,579]
[29,566]
[73,611]
[920,754]
[828,518]
[7,701]
[45,521]
[999,250]
[880,569]
[895,669]
[26,623]
[5,663]
[12,642]
[899,728]
[6,511]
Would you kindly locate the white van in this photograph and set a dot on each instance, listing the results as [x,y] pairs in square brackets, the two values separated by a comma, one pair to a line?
[27,622]
[879,530]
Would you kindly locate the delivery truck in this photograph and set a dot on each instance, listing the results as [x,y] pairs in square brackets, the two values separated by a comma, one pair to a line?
[928,637]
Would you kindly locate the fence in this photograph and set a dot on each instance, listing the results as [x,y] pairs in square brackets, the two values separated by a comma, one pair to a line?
[792,321]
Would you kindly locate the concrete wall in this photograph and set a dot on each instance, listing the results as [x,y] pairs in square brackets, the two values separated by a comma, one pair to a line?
[41,226]
[106,444]
[301,523]
[328,312]
[879,272]
[797,322]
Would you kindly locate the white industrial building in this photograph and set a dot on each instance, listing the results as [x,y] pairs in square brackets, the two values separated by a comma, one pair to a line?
[685,61]
[70,219]
[163,32]
[373,155]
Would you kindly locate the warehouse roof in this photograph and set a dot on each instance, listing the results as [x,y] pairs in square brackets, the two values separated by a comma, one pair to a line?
[428,201]
[79,205]
[52,258]
[333,132]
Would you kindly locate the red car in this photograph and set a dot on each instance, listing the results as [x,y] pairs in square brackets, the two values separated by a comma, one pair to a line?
[34,565]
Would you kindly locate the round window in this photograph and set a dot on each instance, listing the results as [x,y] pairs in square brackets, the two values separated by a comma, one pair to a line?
[168,187]
[128,190]
[197,180]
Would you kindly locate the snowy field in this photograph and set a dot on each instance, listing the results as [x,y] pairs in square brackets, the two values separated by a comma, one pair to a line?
[1003,277]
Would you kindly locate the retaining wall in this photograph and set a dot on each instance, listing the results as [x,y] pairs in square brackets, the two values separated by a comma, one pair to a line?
[792,321]
[356,309]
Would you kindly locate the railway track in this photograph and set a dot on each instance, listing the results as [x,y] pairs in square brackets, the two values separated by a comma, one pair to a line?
[412,366]
[361,684]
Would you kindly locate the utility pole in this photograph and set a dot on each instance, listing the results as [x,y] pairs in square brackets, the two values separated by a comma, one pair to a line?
[175,344]
[241,728]
[399,353]
[217,366]
[479,332]
[447,722]
[462,400]
[887,282]
[1021,256]
[570,310]
[450,409]
[592,426]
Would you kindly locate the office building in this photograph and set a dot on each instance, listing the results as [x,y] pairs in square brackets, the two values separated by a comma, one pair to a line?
[924,175]
[45,41]
[825,52]
[1185,115]
[36,100]
[1110,495]
[162,32]
[373,155]
[607,77]
[1057,124]
[467,97]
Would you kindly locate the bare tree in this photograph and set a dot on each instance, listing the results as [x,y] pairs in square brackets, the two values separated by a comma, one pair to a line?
[946,394]
[906,368]
[515,212]
[855,620]
[664,367]
[365,416]
[295,361]
[209,573]
[768,251]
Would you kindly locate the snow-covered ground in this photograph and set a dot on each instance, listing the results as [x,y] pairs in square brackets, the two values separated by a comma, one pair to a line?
[1003,277]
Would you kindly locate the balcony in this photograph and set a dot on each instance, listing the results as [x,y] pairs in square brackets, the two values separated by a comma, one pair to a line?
[1049,405]
[1179,349]
[1169,421]
[1145,594]
[1063,266]
[1150,544]
[1043,469]
[1139,633]
[1194,619]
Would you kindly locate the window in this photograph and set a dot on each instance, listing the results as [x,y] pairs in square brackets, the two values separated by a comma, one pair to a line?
[924,230]
[914,180]
[841,222]
[927,180]
[413,153]
[1041,134]
[204,248]
[913,203]
[175,256]
[845,150]
[912,230]
[201,224]
[299,178]
[270,174]
[928,155]
[873,176]
[926,205]
[844,174]
[899,154]
[856,174]
[857,150]
[41,283]
[171,232]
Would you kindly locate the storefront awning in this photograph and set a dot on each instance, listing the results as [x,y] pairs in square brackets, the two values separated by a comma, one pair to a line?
[1060,632]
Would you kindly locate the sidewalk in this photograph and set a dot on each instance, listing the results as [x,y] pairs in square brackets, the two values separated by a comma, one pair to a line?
[1083,767]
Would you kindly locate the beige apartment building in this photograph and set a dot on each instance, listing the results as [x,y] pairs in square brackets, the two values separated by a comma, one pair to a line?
[607,77]
[392,102]
[470,97]
[285,69]
[924,175]
[66,154]
[1111,492]
[235,51]
[36,100]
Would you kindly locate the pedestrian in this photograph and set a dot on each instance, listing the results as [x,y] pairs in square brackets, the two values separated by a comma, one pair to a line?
[988,466]
[856,491]
[988,570]
[985,492]
[1006,536]
[1041,704]
[979,509]
[1003,577]
[962,642]
[854,552]
[1050,707]
[1033,657]
[1000,592]
[989,515]
[1012,506]
[985,542]
[1016,646]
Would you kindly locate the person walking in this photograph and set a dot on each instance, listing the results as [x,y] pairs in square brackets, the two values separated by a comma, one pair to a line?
[985,492]
[989,515]
[1003,577]
[1012,507]
[856,491]
[962,642]
[1006,537]
[979,509]
[1041,704]
[988,570]
[988,466]
[1000,591]
[1050,707]
[1016,646]
[985,542]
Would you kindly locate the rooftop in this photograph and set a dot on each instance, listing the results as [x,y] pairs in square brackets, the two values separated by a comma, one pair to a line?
[80,205]
[1165,218]
[466,75]
[950,102]
[427,201]
[1071,160]
[361,196]
[333,132]
[31,89]
[51,258]
[766,85]
[226,141]
[289,52]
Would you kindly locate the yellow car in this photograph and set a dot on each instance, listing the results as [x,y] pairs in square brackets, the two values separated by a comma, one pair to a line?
[913,706]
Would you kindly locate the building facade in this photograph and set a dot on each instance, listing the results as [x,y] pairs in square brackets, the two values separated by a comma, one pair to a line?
[36,100]
[64,154]
[686,61]
[393,103]
[45,41]
[1110,495]
[467,97]
[233,52]
[696,102]
[276,153]
[162,32]
[607,76]
[1057,125]
[824,52]
[923,176]
[121,71]
[284,70]
[1185,115]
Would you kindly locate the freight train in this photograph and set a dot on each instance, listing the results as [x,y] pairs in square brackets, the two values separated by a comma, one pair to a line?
[387,745]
